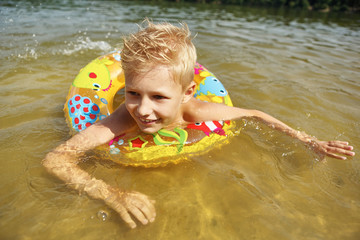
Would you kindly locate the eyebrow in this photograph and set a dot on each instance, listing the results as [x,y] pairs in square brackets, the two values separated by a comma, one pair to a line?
[156,92]
[159,93]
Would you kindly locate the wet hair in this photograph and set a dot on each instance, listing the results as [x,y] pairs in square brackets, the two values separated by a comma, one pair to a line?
[160,44]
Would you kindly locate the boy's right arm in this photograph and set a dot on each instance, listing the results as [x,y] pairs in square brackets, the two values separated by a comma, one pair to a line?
[63,160]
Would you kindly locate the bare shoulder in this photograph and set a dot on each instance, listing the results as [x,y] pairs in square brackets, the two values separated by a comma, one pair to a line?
[120,121]
[199,111]
[191,109]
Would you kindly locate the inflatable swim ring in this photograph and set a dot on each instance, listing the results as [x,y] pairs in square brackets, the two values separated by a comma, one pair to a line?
[91,99]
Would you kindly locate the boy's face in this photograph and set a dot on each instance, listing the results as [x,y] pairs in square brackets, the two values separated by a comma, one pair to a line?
[154,100]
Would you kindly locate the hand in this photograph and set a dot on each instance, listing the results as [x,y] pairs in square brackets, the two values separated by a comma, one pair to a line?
[333,148]
[132,202]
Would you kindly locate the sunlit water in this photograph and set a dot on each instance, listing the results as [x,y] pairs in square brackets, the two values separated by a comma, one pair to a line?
[302,68]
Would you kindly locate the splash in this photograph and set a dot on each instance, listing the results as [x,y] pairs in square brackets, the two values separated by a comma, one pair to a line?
[34,50]
[85,44]
[28,53]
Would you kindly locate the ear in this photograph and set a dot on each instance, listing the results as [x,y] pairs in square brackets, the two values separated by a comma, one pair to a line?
[189,92]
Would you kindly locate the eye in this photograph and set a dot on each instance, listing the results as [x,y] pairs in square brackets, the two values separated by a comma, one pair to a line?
[132,93]
[159,97]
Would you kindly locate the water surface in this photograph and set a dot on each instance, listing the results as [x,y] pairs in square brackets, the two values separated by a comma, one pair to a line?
[301,67]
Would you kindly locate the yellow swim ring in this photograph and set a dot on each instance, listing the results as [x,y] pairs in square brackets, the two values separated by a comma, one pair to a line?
[91,99]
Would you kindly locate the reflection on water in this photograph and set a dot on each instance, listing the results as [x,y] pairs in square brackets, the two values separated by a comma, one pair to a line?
[301,67]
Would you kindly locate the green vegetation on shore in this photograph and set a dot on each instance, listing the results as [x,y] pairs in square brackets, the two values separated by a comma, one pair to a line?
[319,5]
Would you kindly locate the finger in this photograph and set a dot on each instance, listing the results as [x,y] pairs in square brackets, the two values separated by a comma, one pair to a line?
[340,150]
[339,142]
[334,151]
[138,215]
[147,208]
[144,202]
[344,145]
[336,156]
[125,216]
[349,153]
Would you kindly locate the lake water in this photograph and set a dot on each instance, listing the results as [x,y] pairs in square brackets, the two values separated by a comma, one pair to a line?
[301,67]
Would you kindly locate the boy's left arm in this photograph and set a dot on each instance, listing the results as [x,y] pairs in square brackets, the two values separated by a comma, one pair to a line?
[329,148]
[212,111]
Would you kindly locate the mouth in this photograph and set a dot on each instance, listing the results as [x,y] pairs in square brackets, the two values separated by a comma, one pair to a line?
[145,121]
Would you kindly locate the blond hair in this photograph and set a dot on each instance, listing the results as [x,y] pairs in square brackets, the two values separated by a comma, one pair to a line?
[160,44]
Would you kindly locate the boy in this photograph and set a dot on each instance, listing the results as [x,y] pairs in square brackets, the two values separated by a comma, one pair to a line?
[158,63]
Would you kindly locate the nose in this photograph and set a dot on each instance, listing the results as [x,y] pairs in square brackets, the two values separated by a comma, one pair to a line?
[144,107]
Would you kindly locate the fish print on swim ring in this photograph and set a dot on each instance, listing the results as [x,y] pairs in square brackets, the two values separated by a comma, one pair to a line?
[82,111]
[211,86]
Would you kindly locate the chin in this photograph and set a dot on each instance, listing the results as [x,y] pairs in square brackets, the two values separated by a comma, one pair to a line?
[149,130]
